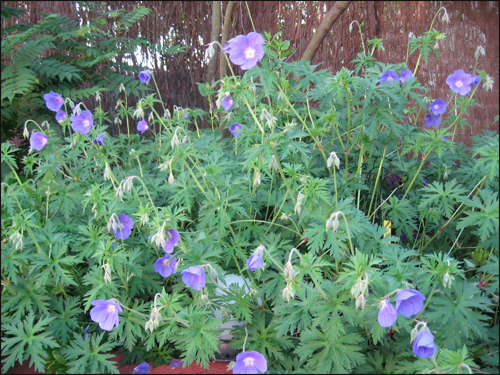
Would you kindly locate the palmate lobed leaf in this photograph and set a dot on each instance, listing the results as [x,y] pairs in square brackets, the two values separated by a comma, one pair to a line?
[27,342]
[88,356]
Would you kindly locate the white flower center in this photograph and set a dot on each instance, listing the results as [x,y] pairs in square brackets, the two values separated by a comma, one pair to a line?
[249,53]
[459,84]
[166,262]
[111,309]
[86,123]
[390,79]
[436,106]
[248,361]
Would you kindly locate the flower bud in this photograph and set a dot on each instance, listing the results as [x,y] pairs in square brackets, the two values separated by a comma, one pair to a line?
[210,51]
[360,302]
[289,272]
[175,141]
[335,159]
[256,178]
[171,179]
[335,224]
[97,97]
[26,133]
[107,173]
[445,18]
[413,334]
[448,280]
[273,164]
[107,272]
[329,224]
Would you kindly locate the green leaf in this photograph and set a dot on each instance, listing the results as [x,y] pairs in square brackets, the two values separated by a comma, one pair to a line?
[24,339]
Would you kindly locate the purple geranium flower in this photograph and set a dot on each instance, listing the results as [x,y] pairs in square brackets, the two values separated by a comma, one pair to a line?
[53,101]
[38,140]
[444,138]
[389,76]
[194,277]
[405,75]
[82,123]
[105,313]
[175,363]
[144,76]
[186,115]
[431,119]
[438,106]
[255,262]
[459,82]
[99,140]
[409,302]
[233,128]
[142,126]
[251,362]
[227,103]
[245,51]
[61,116]
[424,346]
[475,80]
[142,368]
[124,227]
[172,240]
[164,266]
[387,314]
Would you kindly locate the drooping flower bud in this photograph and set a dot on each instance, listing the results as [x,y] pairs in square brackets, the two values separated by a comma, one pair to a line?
[171,179]
[256,178]
[360,302]
[289,272]
[448,280]
[175,141]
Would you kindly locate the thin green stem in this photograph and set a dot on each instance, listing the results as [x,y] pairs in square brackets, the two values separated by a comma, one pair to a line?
[377,179]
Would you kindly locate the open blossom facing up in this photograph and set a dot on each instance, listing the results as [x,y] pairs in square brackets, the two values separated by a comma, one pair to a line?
[38,141]
[250,363]
[105,313]
[459,82]
[424,346]
[234,127]
[83,122]
[438,106]
[125,226]
[389,76]
[99,140]
[142,126]
[245,50]
[164,266]
[431,119]
[387,314]
[144,76]
[405,75]
[61,116]
[409,302]
[53,101]
[194,277]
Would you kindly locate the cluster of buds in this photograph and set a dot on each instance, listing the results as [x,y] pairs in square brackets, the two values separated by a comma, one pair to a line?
[333,159]
[289,292]
[175,140]
[479,52]
[139,113]
[210,51]
[298,205]
[107,172]
[359,290]
[446,17]
[125,185]
[113,223]
[333,222]
[154,319]
[268,118]
[107,272]
[159,237]
[17,239]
